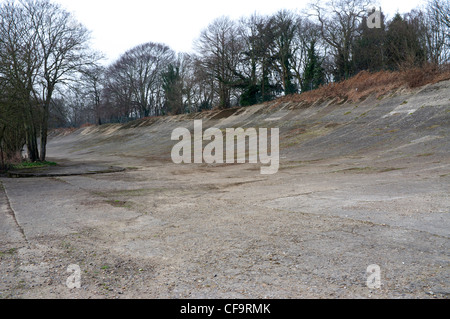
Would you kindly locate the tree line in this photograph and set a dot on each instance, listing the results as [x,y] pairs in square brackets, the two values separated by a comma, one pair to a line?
[50,78]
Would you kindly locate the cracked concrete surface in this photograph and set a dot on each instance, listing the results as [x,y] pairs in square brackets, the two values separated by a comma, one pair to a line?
[354,189]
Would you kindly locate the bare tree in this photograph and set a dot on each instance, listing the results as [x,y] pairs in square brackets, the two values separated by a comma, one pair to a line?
[134,80]
[339,21]
[219,46]
[307,34]
[92,78]
[20,63]
[117,92]
[64,48]
[437,30]
[257,59]
[190,86]
[203,86]
[286,48]
[441,9]
[41,47]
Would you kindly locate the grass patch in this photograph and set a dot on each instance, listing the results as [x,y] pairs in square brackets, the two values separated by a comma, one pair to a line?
[9,252]
[30,165]
[137,192]
[130,192]
[118,203]
[357,169]
[425,155]
[390,169]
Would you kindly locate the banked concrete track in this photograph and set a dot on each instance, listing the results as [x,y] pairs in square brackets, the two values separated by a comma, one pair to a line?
[360,183]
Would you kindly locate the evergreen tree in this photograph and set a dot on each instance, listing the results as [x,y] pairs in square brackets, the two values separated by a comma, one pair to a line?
[314,74]
[172,90]
[369,48]
[403,43]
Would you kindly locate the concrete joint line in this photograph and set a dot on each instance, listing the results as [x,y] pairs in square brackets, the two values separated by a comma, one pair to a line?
[11,212]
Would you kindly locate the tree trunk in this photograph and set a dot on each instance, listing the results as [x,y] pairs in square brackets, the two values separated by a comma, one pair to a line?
[31,141]
[44,125]
[44,132]
[2,165]
[30,134]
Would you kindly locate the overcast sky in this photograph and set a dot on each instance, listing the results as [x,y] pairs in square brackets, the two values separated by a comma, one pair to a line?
[119,25]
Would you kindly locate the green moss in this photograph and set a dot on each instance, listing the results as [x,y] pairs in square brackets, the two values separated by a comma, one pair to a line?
[363,115]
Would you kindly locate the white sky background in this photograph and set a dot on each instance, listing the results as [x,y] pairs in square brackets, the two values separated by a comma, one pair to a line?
[119,25]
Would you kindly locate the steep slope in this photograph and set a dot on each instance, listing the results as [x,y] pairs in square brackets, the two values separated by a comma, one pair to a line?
[401,123]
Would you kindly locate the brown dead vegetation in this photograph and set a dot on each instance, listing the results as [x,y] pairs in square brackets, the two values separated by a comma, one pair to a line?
[378,84]
[62,131]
